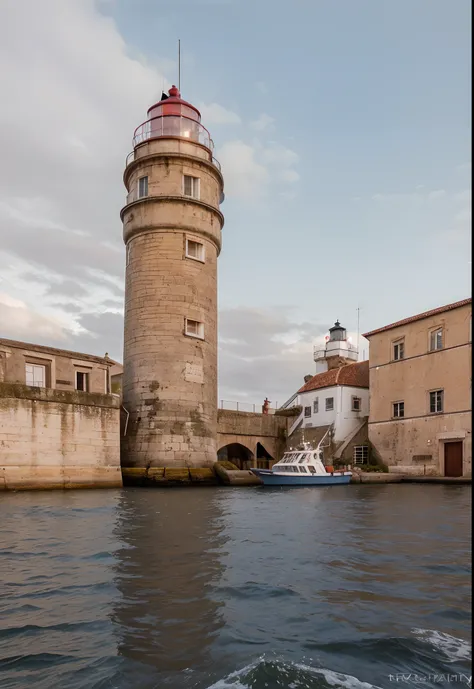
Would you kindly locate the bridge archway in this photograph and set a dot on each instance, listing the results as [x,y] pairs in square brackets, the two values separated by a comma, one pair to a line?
[263,457]
[238,454]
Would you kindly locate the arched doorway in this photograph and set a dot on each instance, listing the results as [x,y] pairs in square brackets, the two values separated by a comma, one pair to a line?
[236,453]
[264,458]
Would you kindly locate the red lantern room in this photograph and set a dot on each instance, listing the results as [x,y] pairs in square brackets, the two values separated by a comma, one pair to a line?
[173,117]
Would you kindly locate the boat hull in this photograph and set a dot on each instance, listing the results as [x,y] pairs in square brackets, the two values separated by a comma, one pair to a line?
[270,479]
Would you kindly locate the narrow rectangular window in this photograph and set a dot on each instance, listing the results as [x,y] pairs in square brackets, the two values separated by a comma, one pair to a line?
[194,328]
[436,401]
[307,412]
[142,187]
[316,405]
[361,454]
[398,350]
[436,339]
[329,403]
[35,375]
[191,186]
[398,410]
[356,404]
[82,381]
[128,255]
[195,250]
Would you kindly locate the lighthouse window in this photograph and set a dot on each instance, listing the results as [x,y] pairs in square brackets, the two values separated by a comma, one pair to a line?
[194,328]
[195,250]
[191,186]
[142,187]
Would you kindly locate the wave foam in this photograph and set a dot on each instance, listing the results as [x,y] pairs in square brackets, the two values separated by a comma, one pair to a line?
[453,648]
[288,676]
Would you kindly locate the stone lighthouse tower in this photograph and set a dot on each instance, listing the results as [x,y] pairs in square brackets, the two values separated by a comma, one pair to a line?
[172,231]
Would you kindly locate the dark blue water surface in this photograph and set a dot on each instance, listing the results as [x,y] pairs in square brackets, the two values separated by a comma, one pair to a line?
[345,586]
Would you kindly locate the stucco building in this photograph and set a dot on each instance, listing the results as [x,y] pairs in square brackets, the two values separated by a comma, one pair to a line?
[420,391]
[172,230]
[59,422]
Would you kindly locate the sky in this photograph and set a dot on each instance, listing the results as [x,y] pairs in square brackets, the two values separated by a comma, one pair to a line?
[344,133]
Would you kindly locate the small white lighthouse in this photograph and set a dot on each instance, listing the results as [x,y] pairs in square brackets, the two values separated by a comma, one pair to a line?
[337,351]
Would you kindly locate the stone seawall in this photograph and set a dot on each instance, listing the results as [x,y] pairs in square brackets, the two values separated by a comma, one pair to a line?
[58,439]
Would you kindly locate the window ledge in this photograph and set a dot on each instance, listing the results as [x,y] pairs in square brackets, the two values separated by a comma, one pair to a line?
[196,337]
[193,258]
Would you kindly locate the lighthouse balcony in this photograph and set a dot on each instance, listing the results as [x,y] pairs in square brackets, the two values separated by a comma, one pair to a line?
[173,125]
[319,353]
[344,349]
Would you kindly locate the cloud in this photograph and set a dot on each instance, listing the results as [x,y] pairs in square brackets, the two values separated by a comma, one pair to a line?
[60,177]
[263,123]
[92,333]
[264,352]
[420,195]
[244,175]
[249,169]
[217,114]
[20,322]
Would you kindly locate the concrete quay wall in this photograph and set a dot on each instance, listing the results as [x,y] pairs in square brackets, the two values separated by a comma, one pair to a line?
[58,439]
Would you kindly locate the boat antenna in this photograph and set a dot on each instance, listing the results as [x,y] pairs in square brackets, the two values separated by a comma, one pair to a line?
[179,65]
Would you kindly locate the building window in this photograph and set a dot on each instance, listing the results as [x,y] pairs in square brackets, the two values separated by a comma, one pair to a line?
[398,350]
[356,404]
[82,381]
[307,412]
[194,328]
[329,403]
[436,339]
[195,250]
[360,454]
[191,186]
[398,410]
[127,262]
[436,401]
[142,187]
[316,405]
[35,375]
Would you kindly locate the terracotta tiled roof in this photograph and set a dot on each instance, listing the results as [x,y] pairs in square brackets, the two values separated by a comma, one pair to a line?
[16,344]
[353,375]
[420,316]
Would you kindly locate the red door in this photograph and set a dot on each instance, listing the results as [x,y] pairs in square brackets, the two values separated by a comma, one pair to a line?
[453,459]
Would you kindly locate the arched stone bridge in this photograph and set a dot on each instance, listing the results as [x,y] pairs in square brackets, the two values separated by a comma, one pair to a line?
[248,439]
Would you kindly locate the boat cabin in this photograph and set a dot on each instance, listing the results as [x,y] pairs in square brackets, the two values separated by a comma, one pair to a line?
[303,462]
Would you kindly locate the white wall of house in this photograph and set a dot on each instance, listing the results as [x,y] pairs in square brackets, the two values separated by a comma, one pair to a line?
[344,418]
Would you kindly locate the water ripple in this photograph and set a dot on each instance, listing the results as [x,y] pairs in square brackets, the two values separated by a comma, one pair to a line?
[235,588]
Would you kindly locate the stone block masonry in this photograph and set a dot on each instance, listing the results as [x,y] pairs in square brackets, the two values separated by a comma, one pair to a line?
[58,439]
